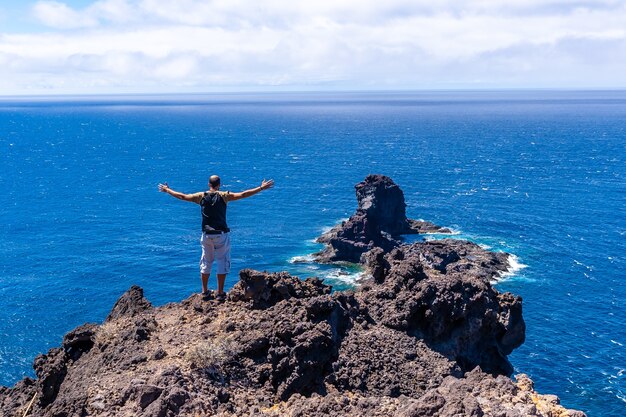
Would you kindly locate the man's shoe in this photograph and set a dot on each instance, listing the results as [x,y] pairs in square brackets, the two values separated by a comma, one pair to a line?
[207,295]
[221,297]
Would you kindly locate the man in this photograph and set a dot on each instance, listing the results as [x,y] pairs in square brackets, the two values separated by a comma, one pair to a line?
[215,232]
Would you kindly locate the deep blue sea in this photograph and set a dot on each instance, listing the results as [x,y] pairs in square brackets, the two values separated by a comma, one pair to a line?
[539,174]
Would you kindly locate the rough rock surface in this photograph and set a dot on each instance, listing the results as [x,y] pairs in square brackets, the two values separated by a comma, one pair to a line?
[379,221]
[132,303]
[263,290]
[440,292]
[298,352]
[426,335]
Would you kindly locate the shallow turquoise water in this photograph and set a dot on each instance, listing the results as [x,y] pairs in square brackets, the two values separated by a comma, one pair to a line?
[538,174]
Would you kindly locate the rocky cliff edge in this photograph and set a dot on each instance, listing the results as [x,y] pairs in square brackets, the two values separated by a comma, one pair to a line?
[426,335]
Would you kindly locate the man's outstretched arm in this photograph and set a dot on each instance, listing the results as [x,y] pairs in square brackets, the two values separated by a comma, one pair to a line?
[252,191]
[164,188]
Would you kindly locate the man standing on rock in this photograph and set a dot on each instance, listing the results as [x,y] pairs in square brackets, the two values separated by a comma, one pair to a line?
[215,232]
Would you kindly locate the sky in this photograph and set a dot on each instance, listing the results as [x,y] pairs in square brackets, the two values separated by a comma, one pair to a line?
[166,46]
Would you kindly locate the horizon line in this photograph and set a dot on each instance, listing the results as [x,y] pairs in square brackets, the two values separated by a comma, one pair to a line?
[313,92]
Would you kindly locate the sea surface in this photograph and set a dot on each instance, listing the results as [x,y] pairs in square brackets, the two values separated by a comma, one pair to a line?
[539,174]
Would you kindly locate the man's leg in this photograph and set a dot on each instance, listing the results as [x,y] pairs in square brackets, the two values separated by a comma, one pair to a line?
[221,278]
[206,261]
[205,282]
[222,256]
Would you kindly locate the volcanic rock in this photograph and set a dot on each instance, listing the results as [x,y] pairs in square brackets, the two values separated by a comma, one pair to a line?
[441,293]
[79,340]
[264,290]
[379,221]
[132,303]
[410,345]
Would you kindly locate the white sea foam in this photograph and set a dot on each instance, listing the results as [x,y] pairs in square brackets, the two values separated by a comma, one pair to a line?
[339,274]
[301,259]
[515,264]
[589,267]
[439,235]
[453,230]
[513,268]
[326,229]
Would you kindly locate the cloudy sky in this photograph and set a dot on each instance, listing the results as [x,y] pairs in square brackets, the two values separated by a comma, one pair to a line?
[126,46]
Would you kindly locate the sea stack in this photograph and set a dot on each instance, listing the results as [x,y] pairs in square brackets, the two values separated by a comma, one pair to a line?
[379,221]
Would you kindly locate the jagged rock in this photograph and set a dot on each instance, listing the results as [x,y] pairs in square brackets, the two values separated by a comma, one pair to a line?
[265,290]
[383,362]
[441,293]
[147,394]
[422,226]
[18,397]
[382,203]
[480,394]
[294,342]
[379,221]
[131,303]
[80,340]
[159,354]
[377,351]
[168,403]
[50,369]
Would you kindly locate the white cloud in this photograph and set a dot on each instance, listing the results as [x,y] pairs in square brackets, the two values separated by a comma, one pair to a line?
[124,45]
[59,15]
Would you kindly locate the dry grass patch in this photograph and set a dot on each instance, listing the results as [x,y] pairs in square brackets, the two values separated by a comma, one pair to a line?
[211,354]
[106,334]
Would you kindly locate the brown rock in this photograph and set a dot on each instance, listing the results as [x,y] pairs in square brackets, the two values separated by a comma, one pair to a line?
[379,221]
[131,303]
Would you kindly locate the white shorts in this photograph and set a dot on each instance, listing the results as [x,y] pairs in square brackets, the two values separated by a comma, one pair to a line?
[215,247]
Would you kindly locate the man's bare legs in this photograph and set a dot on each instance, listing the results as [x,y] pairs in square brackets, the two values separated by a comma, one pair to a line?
[205,282]
[221,279]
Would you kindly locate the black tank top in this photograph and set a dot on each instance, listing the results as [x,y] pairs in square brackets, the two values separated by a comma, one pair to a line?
[213,209]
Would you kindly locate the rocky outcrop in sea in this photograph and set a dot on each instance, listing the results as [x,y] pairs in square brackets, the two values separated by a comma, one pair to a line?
[426,335]
[379,221]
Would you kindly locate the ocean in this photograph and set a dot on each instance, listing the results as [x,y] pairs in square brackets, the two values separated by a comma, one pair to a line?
[539,174]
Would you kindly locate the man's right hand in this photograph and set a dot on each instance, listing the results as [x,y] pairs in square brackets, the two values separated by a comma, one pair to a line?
[163,187]
[267,184]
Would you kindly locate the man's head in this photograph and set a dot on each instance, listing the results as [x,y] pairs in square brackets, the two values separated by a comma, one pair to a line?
[214,182]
